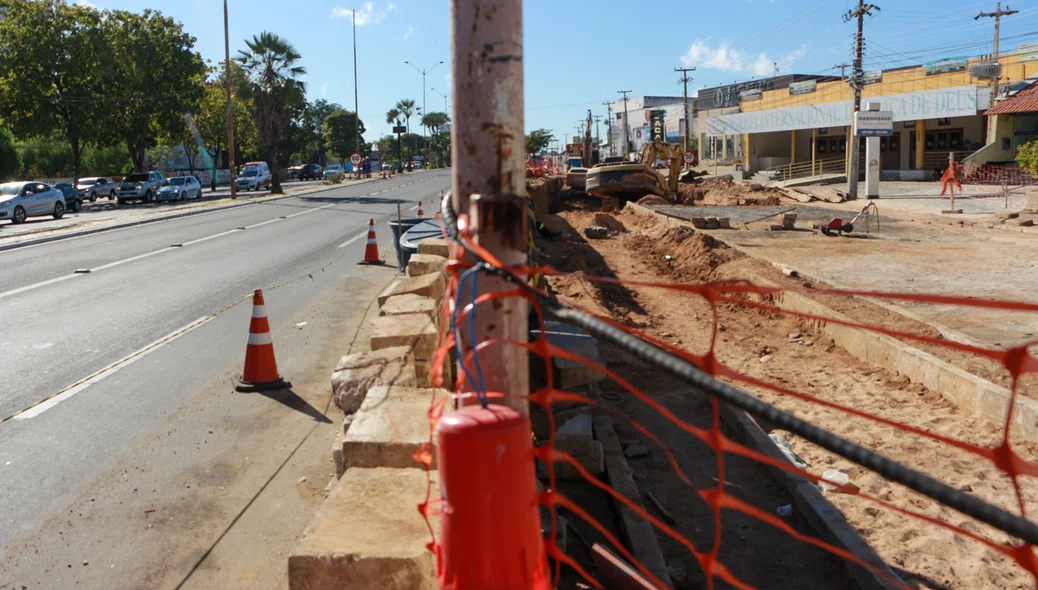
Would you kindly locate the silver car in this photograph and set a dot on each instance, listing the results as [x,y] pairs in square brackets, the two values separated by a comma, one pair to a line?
[140,186]
[99,186]
[179,188]
[19,200]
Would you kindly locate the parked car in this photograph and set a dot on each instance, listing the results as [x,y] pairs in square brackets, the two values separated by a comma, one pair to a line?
[140,186]
[254,176]
[73,202]
[333,169]
[179,188]
[19,200]
[310,172]
[98,186]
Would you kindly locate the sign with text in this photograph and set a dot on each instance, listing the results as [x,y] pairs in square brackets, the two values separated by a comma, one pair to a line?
[959,101]
[1027,52]
[399,129]
[805,87]
[751,94]
[658,125]
[872,77]
[355,159]
[874,123]
[948,64]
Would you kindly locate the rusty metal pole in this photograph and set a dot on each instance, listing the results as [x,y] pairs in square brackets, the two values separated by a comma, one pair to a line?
[489,176]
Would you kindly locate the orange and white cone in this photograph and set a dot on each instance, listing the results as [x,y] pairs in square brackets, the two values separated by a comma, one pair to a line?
[371,248]
[261,370]
[420,212]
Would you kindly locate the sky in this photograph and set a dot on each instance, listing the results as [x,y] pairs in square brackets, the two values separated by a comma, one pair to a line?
[578,53]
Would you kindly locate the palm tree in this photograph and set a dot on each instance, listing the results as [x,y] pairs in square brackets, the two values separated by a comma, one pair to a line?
[406,107]
[274,86]
[393,118]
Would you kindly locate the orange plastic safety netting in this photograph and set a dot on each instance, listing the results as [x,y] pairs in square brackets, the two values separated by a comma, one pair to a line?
[904,489]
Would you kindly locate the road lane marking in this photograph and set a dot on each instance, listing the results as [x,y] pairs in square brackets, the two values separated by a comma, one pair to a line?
[353,239]
[37,285]
[223,233]
[48,403]
[132,259]
[262,223]
[312,210]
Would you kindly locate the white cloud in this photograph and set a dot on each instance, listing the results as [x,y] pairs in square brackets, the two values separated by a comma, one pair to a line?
[86,3]
[367,14]
[410,31]
[724,57]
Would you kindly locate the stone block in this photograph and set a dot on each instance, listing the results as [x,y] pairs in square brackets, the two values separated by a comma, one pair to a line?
[423,371]
[358,372]
[724,223]
[423,264]
[568,373]
[430,285]
[410,303]
[368,535]
[1007,214]
[415,331]
[698,222]
[337,455]
[574,436]
[1020,222]
[389,428]
[435,246]
[711,223]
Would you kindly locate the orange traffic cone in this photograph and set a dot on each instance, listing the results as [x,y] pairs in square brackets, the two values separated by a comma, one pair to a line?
[420,212]
[261,370]
[371,248]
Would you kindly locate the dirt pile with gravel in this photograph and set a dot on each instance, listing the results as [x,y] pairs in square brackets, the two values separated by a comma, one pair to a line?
[680,253]
[724,192]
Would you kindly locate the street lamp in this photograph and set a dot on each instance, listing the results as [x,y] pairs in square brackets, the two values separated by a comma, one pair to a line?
[423,73]
[445,111]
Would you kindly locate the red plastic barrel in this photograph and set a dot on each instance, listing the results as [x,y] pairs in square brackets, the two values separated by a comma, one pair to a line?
[490,524]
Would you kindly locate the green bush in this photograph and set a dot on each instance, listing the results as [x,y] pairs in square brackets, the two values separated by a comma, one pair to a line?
[10,159]
[109,161]
[1028,157]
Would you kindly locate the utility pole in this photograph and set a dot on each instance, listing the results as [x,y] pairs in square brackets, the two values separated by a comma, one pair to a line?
[776,67]
[230,109]
[444,95]
[598,138]
[356,94]
[843,70]
[627,130]
[859,13]
[609,124]
[685,79]
[997,15]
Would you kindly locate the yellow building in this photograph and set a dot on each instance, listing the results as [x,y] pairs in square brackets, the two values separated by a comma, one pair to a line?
[803,126]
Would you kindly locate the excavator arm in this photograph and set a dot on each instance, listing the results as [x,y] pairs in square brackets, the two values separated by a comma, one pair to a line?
[658,150]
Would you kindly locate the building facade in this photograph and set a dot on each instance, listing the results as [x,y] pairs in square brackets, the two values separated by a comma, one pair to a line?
[938,108]
[638,117]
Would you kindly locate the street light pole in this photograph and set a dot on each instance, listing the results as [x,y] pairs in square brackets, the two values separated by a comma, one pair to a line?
[423,73]
[444,95]
[230,109]
[356,102]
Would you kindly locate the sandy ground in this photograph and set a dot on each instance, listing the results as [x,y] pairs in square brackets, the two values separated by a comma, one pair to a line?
[759,344]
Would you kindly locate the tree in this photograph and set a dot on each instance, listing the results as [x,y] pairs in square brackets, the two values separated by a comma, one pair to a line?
[272,71]
[10,159]
[340,135]
[1028,157]
[54,71]
[434,120]
[393,118]
[160,74]
[406,108]
[211,116]
[537,140]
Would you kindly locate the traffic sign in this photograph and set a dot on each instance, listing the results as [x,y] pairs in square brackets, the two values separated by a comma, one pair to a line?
[527,157]
[689,157]
[355,159]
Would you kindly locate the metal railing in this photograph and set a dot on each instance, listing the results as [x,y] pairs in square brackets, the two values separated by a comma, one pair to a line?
[808,168]
[939,160]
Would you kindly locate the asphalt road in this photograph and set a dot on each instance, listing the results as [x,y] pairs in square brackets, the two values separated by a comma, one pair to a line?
[59,327]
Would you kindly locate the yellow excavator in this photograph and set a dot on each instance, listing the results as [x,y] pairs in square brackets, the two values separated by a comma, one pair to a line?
[630,181]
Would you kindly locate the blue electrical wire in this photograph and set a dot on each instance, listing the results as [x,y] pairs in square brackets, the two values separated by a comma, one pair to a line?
[480,387]
[472,334]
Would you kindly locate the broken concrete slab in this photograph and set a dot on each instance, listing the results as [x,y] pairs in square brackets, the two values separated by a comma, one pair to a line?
[575,437]
[1020,222]
[358,372]
[423,264]
[595,232]
[368,535]
[410,303]
[1006,214]
[430,285]
[389,428]
[415,331]
[567,373]
[435,246]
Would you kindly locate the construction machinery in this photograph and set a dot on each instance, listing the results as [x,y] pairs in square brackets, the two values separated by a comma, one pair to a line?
[630,181]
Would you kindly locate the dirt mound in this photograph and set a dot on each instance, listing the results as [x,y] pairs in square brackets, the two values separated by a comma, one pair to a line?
[681,253]
[609,222]
[724,192]
[653,201]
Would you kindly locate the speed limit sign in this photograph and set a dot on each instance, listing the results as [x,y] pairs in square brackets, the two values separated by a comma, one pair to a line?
[355,159]
[689,157]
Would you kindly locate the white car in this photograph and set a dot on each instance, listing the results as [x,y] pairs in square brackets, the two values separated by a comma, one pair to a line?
[179,188]
[254,176]
[19,200]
